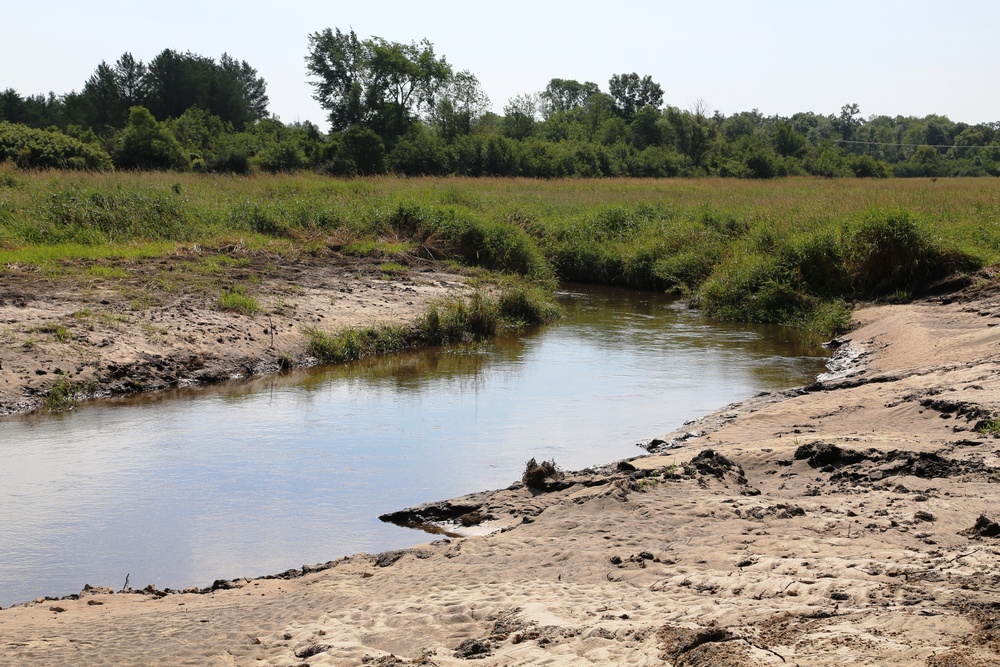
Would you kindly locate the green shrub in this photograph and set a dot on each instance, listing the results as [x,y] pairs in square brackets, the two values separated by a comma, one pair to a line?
[44,149]
[228,161]
[419,155]
[285,156]
[364,152]
[146,144]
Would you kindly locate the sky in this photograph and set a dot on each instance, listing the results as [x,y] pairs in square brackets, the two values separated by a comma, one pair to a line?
[780,57]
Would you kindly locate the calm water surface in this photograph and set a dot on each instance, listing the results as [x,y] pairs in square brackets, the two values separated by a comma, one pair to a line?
[179,490]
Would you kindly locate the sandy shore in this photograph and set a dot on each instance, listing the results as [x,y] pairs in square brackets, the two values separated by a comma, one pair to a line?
[843,524]
[154,324]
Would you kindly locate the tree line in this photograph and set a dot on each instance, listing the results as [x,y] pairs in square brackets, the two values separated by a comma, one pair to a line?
[402,108]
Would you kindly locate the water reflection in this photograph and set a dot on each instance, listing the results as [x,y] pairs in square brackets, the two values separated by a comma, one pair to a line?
[247,479]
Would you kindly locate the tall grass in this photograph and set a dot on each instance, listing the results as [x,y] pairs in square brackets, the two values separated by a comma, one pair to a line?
[795,250]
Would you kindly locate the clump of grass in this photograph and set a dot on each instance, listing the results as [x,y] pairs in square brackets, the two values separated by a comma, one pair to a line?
[988,427]
[887,251]
[648,483]
[536,475]
[392,269]
[483,315]
[376,246]
[458,321]
[58,332]
[752,287]
[235,299]
[353,344]
[522,305]
[64,394]
[826,320]
[103,271]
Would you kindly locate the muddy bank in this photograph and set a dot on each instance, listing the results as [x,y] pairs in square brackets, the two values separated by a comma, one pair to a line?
[152,324]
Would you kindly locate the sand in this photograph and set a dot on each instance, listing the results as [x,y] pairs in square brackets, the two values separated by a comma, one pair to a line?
[159,325]
[845,523]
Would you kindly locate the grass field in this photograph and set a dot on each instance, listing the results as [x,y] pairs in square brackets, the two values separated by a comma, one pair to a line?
[797,251]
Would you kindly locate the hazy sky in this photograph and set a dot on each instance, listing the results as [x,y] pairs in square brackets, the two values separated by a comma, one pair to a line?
[891,57]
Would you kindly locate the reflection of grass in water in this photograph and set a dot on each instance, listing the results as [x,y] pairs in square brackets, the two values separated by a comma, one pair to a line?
[477,347]
[412,369]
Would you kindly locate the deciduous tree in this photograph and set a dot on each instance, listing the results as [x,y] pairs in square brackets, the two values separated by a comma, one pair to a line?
[565,95]
[632,93]
[376,84]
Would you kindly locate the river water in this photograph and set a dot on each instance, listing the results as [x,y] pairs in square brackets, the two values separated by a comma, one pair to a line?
[183,488]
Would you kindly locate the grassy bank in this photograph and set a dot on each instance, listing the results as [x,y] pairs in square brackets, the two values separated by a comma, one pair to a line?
[795,251]
[459,321]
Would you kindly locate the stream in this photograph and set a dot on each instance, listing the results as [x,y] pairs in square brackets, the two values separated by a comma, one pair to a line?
[181,488]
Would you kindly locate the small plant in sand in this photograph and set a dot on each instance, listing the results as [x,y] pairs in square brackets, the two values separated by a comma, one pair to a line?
[536,474]
[235,299]
[989,427]
[58,332]
[648,483]
[64,394]
[141,302]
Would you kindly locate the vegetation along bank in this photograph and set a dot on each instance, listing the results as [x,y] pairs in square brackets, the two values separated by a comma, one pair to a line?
[797,251]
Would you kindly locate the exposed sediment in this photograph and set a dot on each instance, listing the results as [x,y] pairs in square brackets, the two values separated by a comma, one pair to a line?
[851,522]
[91,338]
